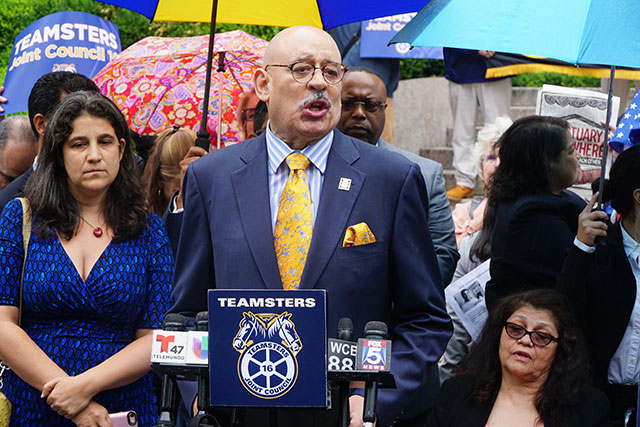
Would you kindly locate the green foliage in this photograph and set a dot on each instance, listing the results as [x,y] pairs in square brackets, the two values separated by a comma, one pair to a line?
[414,68]
[16,15]
[538,79]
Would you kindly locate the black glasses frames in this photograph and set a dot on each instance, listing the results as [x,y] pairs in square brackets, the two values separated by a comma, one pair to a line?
[540,339]
[303,72]
[369,106]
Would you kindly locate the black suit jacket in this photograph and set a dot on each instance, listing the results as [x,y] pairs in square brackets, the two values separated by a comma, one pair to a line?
[15,188]
[457,408]
[602,288]
[529,242]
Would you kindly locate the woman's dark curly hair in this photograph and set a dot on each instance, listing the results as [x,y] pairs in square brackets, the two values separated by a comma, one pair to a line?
[52,203]
[624,179]
[569,373]
[527,150]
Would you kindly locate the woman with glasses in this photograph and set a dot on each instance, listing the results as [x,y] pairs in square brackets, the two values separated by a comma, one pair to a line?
[527,369]
[468,216]
[602,279]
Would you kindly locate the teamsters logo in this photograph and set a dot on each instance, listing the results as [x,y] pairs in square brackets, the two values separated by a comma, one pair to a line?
[268,344]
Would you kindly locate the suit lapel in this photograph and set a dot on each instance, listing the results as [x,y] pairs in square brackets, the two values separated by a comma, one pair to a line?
[251,187]
[334,209]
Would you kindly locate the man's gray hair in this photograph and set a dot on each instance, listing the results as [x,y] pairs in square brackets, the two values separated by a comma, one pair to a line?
[18,129]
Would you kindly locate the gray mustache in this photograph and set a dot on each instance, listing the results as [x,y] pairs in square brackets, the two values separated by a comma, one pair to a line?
[314,97]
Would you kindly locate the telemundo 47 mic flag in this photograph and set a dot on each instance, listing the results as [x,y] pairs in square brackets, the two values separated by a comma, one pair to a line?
[628,131]
[63,41]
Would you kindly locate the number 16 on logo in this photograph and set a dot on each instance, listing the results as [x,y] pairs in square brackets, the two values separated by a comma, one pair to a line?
[373,355]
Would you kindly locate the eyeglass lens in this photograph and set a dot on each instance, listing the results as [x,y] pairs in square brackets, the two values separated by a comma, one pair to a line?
[248,114]
[540,339]
[302,72]
[369,106]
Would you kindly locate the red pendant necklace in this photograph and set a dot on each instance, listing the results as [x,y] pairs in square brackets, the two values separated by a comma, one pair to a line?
[97,231]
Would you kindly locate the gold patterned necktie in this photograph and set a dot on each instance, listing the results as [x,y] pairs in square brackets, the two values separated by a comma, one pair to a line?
[292,234]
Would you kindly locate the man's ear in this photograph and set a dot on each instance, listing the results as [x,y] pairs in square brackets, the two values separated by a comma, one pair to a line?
[262,84]
[40,123]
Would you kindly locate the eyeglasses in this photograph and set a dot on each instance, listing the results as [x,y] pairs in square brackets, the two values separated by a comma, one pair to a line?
[369,106]
[541,339]
[248,114]
[303,72]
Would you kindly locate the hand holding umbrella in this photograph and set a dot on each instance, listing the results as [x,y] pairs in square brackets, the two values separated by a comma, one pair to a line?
[591,224]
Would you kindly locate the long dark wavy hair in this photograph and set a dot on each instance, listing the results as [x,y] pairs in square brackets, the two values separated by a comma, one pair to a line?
[52,203]
[527,150]
[624,179]
[569,373]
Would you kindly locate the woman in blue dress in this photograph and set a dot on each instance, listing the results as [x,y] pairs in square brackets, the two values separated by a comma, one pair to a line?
[97,277]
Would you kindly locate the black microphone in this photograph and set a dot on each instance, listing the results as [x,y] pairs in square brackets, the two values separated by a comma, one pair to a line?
[345,333]
[375,331]
[176,323]
[345,329]
[202,419]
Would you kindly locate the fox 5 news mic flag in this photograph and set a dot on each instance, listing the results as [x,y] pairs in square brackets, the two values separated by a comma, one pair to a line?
[63,41]
[374,350]
[268,348]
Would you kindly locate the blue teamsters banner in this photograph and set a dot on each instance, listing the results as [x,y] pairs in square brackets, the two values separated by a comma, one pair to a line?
[376,34]
[268,348]
[63,41]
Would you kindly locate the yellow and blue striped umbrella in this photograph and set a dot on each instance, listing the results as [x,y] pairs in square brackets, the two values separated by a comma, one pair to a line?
[283,13]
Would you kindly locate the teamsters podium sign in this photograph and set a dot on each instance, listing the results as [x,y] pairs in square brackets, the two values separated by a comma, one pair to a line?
[268,348]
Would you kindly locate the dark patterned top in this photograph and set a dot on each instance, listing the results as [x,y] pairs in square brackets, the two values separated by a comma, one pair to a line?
[77,323]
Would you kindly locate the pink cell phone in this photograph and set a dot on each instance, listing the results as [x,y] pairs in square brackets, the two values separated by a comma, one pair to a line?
[124,419]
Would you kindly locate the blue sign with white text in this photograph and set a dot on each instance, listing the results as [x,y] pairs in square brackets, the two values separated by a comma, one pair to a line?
[268,348]
[63,41]
[376,34]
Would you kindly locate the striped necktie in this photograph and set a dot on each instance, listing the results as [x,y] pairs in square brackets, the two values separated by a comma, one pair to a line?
[292,234]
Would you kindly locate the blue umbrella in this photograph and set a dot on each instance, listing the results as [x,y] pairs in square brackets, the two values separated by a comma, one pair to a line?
[575,31]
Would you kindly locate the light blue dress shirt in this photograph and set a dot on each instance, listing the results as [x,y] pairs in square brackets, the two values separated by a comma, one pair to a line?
[623,367]
[278,171]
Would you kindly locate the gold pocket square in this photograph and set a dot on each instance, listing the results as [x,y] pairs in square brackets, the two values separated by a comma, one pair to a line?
[358,234]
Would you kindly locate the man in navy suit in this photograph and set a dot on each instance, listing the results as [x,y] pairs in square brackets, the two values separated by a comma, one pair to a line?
[231,200]
[363,117]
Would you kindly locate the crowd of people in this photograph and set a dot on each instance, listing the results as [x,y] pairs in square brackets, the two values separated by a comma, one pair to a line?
[99,239]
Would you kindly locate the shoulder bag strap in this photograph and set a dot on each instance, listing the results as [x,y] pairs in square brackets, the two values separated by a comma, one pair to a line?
[26,235]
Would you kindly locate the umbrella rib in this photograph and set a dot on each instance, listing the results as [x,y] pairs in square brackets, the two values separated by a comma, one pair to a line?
[167,88]
[234,76]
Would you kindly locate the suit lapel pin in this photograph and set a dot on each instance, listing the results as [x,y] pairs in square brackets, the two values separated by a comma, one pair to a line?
[345,184]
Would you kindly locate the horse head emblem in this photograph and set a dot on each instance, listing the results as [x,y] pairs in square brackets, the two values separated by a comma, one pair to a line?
[286,331]
[250,327]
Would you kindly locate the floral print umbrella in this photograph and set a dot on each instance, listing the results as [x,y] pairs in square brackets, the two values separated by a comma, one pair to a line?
[159,82]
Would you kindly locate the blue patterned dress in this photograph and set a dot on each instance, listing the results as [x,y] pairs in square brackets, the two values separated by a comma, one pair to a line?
[79,324]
